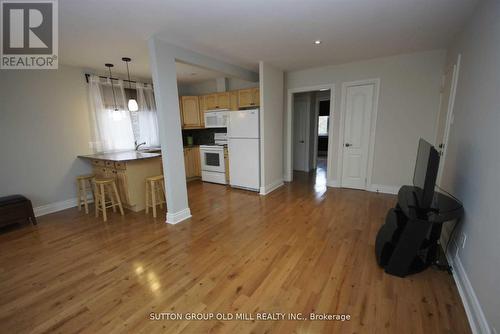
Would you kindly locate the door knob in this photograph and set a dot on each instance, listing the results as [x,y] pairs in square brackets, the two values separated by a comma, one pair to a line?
[348,144]
[302,142]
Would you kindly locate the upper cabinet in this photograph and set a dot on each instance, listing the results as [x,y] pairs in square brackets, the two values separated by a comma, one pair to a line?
[193,107]
[233,100]
[190,111]
[248,97]
[217,101]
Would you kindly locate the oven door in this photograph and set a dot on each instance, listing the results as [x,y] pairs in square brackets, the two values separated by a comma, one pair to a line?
[212,160]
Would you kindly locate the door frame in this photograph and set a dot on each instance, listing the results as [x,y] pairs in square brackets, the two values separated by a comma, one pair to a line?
[288,172]
[373,128]
[318,99]
[449,115]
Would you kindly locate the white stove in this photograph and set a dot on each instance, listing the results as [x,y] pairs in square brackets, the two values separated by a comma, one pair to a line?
[213,167]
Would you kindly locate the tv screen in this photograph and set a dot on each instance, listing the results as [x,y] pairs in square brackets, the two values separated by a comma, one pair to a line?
[424,176]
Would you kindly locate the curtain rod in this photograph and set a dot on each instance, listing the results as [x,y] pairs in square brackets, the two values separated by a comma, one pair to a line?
[87,75]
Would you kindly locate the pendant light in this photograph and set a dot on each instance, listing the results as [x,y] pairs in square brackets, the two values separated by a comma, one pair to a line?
[132,103]
[111,80]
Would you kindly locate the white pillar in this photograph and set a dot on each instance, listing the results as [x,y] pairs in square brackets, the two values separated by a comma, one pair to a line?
[169,124]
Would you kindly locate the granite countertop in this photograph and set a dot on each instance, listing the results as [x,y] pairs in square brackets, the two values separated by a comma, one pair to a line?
[121,156]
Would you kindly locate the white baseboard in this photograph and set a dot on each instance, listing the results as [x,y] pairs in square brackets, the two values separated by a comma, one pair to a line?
[271,187]
[473,309]
[380,188]
[333,183]
[179,216]
[57,206]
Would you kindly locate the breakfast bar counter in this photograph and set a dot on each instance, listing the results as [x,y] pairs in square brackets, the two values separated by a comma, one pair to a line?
[130,170]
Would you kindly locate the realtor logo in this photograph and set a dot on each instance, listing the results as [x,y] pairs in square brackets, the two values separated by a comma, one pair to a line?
[29,34]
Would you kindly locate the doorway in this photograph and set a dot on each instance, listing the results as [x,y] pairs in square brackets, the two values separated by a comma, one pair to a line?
[358,116]
[311,133]
[445,115]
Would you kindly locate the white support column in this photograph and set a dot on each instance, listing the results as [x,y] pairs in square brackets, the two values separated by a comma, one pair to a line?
[169,124]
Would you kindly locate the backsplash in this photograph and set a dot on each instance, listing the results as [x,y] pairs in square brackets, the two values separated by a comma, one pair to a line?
[201,136]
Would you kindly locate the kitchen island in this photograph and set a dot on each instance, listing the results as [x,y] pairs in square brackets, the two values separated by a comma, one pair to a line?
[130,170]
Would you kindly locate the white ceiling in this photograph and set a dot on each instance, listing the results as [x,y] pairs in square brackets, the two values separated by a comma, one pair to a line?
[281,32]
[190,74]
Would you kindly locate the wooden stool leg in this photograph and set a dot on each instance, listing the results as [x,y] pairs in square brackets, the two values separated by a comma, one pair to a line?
[118,198]
[153,198]
[147,198]
[160,196]
[79,190]
[112,197]
[84,187]
[103,203]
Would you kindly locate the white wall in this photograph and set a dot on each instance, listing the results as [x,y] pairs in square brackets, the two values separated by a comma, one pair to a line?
[44,125]
[472,164]
[408,106]
[271,129]
[210,86]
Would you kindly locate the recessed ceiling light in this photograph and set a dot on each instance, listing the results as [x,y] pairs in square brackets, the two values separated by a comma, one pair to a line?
[317,42]
[322,90]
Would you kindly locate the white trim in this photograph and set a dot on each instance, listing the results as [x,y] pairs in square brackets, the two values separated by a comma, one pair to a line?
[373,127]
[473,309]
[380,188]
[58,206]
[179,216]
[271,187]
[449,117]
[288,175]
[333,183]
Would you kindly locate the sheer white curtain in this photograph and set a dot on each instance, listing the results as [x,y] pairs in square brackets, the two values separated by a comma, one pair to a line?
[147,118]
[112,122]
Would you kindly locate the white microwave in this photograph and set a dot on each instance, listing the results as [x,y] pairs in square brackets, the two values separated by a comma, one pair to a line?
[216,118]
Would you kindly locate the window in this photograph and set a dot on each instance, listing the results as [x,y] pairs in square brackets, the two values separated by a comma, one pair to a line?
[323,126]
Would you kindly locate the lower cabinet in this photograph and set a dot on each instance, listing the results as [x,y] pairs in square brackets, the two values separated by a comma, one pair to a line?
[130,177]
[192,163]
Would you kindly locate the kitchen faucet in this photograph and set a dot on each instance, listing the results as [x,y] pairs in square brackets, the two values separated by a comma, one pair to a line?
[138,145]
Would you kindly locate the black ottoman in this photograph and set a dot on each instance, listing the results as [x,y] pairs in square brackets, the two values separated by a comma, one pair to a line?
[15,208]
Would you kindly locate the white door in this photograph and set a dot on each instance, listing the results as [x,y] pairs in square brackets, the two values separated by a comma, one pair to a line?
[448,90]
[358,104]
[300,135]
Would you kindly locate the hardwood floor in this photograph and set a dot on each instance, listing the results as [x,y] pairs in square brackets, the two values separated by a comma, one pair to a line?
[303,248]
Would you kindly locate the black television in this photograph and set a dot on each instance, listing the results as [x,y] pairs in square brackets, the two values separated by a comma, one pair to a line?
[425,174]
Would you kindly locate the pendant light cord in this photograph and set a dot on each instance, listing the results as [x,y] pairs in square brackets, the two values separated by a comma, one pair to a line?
[128,75]
[112,88]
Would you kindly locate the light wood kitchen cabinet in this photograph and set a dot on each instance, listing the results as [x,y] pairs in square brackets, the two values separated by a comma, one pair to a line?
[190,111]
[192,163]
[223,101]
[248,97]
[233,100]
[211,101]
[129,177]
[203,108]
[217,101]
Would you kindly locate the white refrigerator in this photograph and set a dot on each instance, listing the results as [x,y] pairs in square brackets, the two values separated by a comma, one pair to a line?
[243,144]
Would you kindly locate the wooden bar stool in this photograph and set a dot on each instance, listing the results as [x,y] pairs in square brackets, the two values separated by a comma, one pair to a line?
[83,185]
[106,187]
[156,188]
